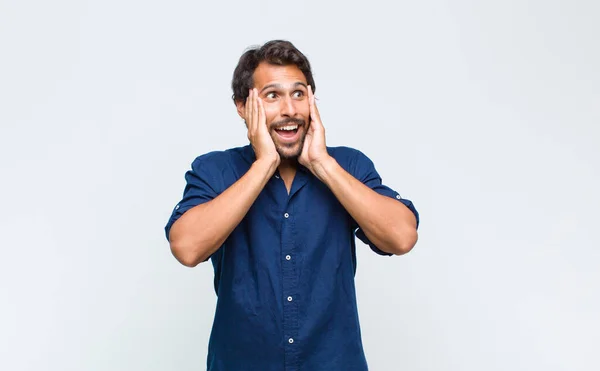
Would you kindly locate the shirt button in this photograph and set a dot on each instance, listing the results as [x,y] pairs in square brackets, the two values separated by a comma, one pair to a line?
[287,257]
[286,215]
[291,341]
[398,196]
[177,207]
[289,298]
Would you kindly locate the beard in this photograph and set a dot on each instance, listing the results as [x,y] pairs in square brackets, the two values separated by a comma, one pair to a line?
[289,151]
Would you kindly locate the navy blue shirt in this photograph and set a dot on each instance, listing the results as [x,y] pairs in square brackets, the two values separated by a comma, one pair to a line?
[284,278]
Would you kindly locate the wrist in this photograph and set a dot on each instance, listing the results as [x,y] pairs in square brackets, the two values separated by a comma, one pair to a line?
[324,167]
[266,166]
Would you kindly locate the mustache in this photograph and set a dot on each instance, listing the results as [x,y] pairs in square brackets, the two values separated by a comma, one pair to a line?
[287,121]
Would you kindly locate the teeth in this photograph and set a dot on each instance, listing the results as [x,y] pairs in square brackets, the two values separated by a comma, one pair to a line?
[289,127]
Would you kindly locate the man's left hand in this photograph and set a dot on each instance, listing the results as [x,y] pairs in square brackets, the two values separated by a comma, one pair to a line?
[314,152]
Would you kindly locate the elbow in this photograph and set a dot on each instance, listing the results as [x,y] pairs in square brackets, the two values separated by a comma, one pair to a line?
[186,255]
[405,241]
[185,249]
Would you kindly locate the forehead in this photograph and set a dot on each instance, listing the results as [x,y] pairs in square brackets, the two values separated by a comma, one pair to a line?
[266,74]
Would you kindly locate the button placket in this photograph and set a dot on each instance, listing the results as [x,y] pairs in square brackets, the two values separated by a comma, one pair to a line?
[290,284]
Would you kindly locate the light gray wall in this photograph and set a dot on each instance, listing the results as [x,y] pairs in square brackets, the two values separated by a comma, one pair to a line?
[485,114]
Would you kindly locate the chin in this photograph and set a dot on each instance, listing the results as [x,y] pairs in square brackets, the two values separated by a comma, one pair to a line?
[290,151]
[287,153]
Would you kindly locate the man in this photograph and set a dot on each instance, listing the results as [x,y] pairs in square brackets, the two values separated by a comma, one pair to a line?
[278,218]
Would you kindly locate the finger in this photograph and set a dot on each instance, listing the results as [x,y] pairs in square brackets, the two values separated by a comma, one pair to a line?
[251,111]
[311,96]
[262,121]
[317,115]
[314,111]
[255,108]
[311,103]
[247,109]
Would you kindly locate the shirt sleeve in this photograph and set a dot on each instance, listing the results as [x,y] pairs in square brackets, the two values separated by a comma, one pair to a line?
[365,172]
[199,188]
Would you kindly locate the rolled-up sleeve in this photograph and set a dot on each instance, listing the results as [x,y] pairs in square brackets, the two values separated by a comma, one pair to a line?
[365,172]
[199,189]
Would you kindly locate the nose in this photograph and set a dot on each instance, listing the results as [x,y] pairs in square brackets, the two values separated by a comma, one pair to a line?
[288,107]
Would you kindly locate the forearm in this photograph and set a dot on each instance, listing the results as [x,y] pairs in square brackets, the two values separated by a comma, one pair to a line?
[200,231]
[388,224]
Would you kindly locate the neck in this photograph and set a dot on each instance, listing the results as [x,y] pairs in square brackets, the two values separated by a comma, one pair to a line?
[288,167]
[288,164]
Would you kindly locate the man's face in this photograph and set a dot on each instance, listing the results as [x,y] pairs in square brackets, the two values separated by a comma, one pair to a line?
[284,93]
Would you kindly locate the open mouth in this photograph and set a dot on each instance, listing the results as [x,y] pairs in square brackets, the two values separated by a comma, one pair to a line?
[288,133]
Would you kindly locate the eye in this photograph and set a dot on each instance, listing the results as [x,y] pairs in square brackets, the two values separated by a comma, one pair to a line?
[298,94]
[271,95]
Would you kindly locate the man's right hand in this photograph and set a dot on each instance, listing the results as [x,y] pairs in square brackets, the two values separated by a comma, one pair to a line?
[258,133]
[203,229]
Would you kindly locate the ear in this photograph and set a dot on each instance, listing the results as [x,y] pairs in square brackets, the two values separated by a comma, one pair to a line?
[240,109]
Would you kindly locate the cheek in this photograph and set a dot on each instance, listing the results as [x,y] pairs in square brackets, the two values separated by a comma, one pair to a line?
[303,109]
[306,110]
[271,112]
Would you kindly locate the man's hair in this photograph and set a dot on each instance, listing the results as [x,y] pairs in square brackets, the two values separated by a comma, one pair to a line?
[276,52]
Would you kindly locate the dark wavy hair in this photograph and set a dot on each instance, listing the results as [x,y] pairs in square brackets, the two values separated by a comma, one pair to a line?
[276,52]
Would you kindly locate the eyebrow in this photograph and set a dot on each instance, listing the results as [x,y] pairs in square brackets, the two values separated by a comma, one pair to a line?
[280,87]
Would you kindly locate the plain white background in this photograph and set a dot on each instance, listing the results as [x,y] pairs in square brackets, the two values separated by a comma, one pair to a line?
[485,114]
